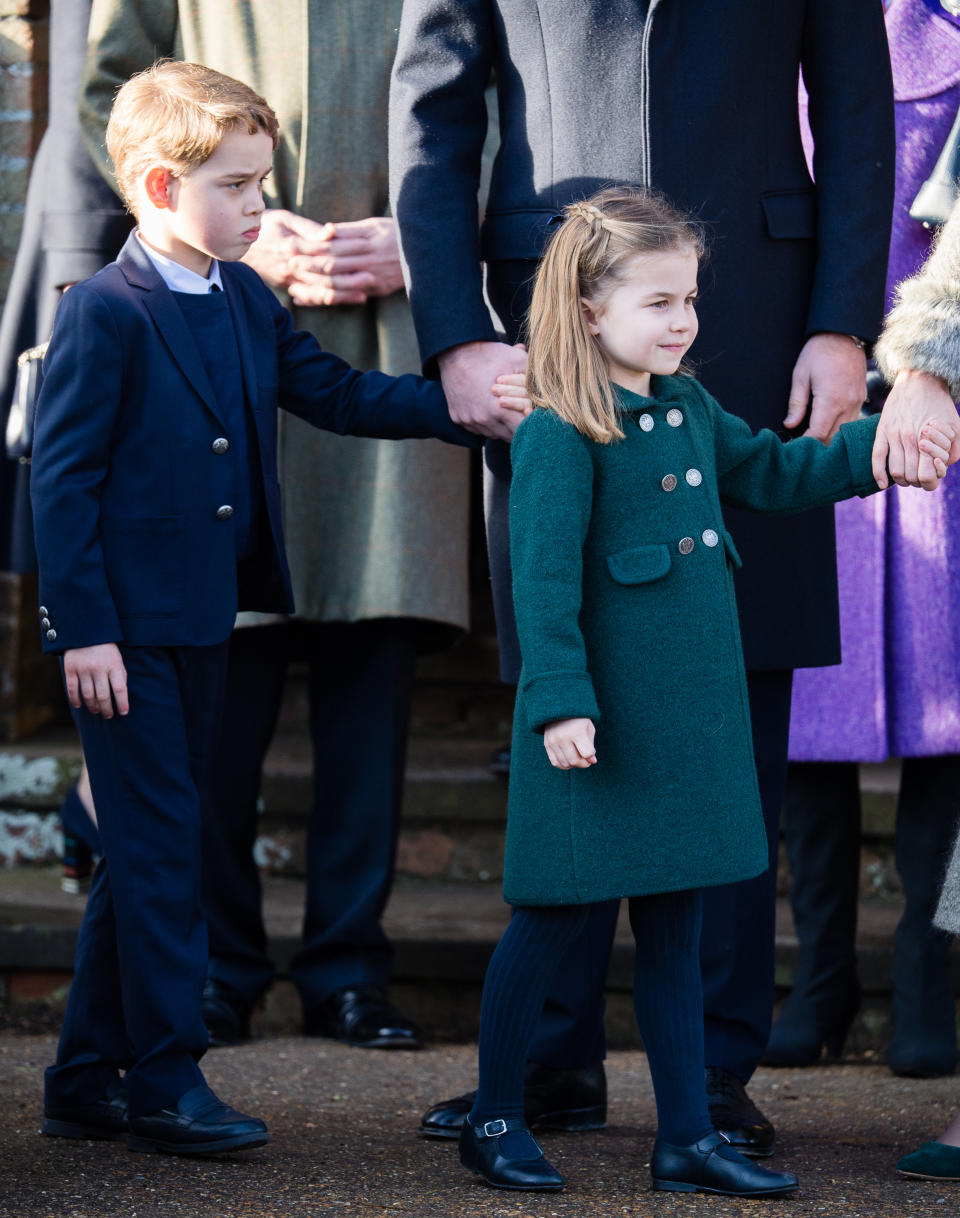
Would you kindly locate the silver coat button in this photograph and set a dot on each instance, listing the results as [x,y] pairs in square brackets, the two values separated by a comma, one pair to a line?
[686,545]
[220,445]
[693,477]
[709,537]
[44,611]
[225,512]
[645,422]
[674,417]
[44,623]
[51,636]
[669,482]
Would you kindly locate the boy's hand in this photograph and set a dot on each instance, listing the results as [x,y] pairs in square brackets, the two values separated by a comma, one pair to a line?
[569,744]
[92,674]
[510,390]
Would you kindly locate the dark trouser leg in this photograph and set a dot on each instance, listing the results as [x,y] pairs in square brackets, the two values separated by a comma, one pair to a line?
[924,1014]
[739,919]
[821,823]
[516,983]
[361,684]
[256,669]
[144,942]
[669,1004]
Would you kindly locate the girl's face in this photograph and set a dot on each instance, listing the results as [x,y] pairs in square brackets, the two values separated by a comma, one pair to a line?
[647,322]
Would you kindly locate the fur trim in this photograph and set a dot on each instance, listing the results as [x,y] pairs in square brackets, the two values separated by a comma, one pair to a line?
[922,330]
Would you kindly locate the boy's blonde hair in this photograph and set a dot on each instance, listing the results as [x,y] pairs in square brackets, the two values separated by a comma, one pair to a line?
[175,114]
[587,259]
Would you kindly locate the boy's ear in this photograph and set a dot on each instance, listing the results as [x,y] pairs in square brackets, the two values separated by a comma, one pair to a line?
[158,184]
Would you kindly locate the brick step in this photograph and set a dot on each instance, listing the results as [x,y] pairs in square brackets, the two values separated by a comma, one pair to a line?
[442,932]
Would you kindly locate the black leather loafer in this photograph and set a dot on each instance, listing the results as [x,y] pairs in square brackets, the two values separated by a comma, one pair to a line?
[565,1101]
[226,1012]
[360,1015]
[736,1117]
[482,1151]
[713,1166]
[105,1118]
[197,1124]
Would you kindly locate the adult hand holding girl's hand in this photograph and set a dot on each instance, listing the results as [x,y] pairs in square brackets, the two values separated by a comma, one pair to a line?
[918,405]
[92,674]
[569,744]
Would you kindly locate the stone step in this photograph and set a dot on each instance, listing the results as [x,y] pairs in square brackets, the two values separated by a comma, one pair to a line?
[442,932]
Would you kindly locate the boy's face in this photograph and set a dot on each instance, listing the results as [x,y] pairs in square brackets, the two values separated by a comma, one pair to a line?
[212,211]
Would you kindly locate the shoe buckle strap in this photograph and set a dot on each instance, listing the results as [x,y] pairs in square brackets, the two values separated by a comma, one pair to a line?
[493,1129]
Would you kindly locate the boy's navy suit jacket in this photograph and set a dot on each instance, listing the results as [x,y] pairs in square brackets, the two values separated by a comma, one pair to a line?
[126,482]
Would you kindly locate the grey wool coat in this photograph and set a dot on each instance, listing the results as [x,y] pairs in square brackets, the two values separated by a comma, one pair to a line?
[374,528]
[623,589]
[922,332]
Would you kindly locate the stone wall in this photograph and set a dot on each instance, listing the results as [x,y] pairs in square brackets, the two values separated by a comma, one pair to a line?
[24,67]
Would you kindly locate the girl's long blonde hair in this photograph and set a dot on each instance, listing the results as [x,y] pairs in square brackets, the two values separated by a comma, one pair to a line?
[566,370]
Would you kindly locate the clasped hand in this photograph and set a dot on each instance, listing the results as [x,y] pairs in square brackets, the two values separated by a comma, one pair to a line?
[96,678]
[324,264]
[569,744]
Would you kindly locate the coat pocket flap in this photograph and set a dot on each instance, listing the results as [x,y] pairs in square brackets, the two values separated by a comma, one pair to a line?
[732,553]
[790,213]
[639,566]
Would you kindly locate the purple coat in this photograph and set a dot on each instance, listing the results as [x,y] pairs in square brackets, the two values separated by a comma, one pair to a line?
[897,692]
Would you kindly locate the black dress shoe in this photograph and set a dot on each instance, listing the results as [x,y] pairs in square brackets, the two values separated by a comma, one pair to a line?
[360,1015]
[105,1118]
[566,1101]
[713,1166]
[197,1124]
[809,1033]
[735,1116]
[226,1012]
[485,1150]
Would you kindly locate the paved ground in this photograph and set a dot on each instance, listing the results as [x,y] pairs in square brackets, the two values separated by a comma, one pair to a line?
[344,1144]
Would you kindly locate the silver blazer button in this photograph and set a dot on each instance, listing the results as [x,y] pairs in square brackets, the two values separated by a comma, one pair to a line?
[220,445]
[51,636]
[225,512]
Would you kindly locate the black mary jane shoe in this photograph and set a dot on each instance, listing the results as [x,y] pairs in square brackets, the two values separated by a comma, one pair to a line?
[226,1013]
[713,1166]
[736,1117]
[360,1015]
[104,1119]
[199,1123]
[481,1151]
[563,1101]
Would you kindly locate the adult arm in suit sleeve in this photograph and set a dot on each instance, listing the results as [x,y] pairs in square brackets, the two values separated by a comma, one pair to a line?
[846,68]
[76,414]
[438,121]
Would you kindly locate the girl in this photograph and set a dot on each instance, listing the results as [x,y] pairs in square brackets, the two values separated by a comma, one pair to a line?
[632,774]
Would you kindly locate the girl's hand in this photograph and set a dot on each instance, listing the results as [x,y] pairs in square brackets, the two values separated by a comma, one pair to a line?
[569,744]
[936,440]
[510,389]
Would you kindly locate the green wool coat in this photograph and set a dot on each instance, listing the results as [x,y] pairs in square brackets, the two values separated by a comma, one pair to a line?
[626,614]
[374,528]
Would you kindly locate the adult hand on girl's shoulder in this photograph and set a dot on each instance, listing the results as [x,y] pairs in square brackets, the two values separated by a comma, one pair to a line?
[569,744]
[916,399]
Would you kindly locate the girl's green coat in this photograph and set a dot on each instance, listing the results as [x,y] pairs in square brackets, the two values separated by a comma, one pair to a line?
[626,613]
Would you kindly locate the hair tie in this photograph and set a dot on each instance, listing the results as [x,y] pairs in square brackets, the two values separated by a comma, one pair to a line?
[588,212]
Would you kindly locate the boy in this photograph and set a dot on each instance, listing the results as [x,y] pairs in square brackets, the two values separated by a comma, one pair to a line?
[157,516]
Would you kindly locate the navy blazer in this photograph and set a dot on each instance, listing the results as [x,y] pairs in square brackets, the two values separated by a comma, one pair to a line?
[126,480]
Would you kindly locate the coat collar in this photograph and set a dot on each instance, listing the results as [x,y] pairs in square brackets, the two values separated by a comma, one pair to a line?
[140,272]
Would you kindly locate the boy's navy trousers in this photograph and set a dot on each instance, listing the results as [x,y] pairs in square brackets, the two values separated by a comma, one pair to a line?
[142,952]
